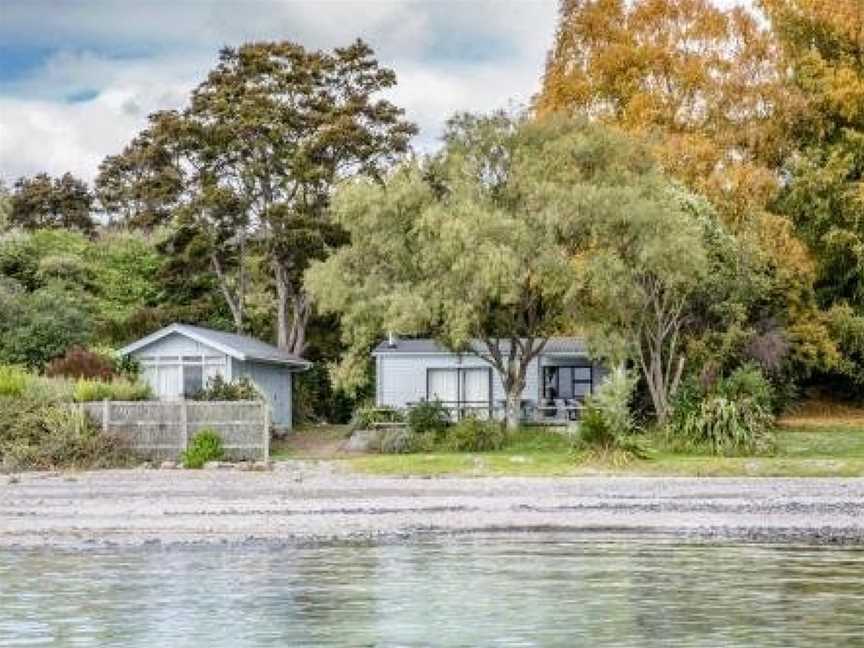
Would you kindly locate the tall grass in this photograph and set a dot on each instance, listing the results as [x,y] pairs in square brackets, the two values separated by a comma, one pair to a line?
[14,381]
[121,389]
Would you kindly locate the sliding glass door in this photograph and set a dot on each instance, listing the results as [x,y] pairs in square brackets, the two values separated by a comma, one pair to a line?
[467,390]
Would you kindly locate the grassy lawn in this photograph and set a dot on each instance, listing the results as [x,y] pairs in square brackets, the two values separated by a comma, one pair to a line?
[808,445]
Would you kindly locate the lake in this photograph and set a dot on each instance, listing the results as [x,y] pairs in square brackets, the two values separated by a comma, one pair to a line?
[480,590]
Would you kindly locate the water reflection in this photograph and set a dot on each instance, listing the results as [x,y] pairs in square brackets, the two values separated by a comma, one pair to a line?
[501,590]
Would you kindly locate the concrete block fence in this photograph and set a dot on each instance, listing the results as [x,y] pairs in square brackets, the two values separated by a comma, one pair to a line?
[163,429]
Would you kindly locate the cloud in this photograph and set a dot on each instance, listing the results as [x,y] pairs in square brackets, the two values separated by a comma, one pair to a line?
[96,69]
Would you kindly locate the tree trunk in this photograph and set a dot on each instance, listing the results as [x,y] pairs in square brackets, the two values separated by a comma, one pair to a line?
[236,303]
[293,310]
[512,413]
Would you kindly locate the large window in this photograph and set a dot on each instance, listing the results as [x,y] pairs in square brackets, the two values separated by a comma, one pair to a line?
[464,391]
[463,385]
[173,377]
[572,382]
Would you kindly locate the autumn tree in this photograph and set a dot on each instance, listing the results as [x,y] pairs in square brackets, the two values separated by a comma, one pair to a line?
[697,81]
[823,48]
[42,202]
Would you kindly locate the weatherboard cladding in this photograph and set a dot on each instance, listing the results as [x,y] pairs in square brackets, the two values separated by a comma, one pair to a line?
[569,345]
[401,371]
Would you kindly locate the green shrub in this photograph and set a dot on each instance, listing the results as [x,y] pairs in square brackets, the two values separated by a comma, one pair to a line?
[735,416]
[122,389]
[219,389]
[606,426]
[370,416]
[429,417]
[727,426]
[474,435]
[14,381]
[205,446]
[40,435]
[748,382]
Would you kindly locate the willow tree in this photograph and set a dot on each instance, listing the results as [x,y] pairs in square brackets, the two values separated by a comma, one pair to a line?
[482,246]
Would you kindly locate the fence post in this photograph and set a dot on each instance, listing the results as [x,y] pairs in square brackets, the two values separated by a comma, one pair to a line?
[106,415]
[184,423]
[266,431]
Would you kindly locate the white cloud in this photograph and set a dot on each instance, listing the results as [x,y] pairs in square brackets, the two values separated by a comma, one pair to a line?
[126,59]
[449,55]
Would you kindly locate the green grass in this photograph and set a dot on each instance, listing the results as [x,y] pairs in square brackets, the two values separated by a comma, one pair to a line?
[802,451]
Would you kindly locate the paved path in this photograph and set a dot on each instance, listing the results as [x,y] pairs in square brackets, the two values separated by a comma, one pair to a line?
[310,502]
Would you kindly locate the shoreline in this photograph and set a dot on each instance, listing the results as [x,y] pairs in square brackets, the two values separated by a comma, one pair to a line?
[302,502]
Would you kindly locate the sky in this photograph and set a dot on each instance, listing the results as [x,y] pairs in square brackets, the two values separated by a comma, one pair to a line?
[78,78]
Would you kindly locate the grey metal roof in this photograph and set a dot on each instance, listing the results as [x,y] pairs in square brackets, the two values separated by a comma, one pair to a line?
[241,347]
[569,345]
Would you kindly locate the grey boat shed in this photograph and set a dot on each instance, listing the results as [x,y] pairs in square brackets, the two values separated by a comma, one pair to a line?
[178,360]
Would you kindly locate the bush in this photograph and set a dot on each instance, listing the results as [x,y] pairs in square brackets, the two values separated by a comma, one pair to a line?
[606,426]
[748,382]
[429,417]
[205,446]
[14,381]
[474,435]
[734,416]
[39,435]
[79,362]
[727,426]
[218,389]
[121,389]
[369,416]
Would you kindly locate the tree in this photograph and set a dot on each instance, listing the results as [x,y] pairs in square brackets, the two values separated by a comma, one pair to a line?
[286,125]
[823,49]
[700,82]
[141,185]
[5,206]
[480,245]
[42,202]
[253,160]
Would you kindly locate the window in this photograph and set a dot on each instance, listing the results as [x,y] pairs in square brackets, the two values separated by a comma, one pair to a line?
[193,379]
[568,382]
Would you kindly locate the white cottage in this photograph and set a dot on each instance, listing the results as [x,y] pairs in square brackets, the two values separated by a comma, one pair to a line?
[408,371]
[177,361]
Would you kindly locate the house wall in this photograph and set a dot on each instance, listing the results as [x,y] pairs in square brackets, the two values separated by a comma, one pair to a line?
[274,381]
[401,377]
[162,362]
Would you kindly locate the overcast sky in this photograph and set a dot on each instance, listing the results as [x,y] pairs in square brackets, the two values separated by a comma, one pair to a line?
[77,79]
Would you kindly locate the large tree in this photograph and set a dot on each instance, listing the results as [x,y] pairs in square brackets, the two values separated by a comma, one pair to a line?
[297,122]
[254,158]
[699,81]
[482,246]
[823,50]
[44,202]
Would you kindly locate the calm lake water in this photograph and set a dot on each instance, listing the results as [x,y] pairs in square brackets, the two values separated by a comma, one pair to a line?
[491,590]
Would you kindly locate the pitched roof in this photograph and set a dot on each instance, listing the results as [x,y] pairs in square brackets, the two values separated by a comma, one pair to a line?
[568,345]
[241,347]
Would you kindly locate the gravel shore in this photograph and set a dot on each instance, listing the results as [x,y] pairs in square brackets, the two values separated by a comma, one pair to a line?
[311,502]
